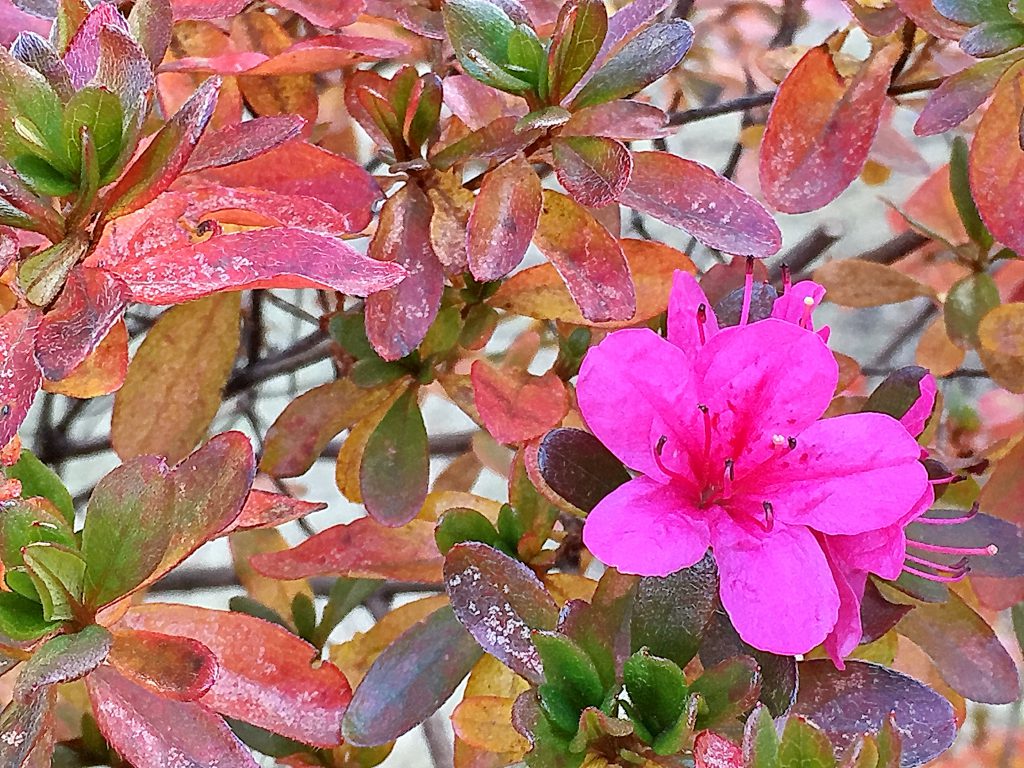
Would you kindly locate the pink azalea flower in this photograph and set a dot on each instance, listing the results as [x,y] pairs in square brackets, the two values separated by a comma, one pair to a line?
[724,428]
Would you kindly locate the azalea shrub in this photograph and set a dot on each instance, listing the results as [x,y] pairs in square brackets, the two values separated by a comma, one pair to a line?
[725,496]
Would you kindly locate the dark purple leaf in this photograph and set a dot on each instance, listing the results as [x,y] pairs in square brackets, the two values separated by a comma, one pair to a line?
[578,468]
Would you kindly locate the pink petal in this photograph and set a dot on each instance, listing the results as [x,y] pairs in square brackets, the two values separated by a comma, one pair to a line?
[776,587]
[683,304]
[791,305]
[849,474]
[917,416]
[760,380]
[647,528]
[628,381]
[846,635]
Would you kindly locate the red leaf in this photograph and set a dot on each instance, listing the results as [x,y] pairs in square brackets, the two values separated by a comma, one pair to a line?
[587,257]
[620,119]
[174,667]
[151,730]
[325,13]
[243,141]
[496,140]
[83,54]
[695,198]
[593,169]
[503,220]
[713,751]
[266,675]
[923,13]
[960,95]
[877,22]
[19,372]
[92,302]
[516,406]
[207,9]
[264,509]
[997,163]
[13,21]
[397,319]
[820,130]
[298,168]
[362,549]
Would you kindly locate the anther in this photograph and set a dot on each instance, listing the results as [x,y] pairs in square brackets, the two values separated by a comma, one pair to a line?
[769,515]
[791,442]
[805,317]
[778,441]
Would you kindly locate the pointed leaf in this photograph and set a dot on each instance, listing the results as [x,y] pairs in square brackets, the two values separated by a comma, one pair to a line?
[61,660]
[263,509]
[820,129]
[859,283]
[579,32]
[243,141]
[960,95]
[19,372]
[503,220]
[805,744]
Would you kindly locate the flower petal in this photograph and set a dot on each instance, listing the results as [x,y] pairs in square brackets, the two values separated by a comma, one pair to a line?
[631,381]
[647,528]
[683,304]
[763,379]
[793,307]
[849,474]
[846,635]
[916,417]
[776,586]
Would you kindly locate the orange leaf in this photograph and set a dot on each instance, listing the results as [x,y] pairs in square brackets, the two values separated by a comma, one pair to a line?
[516,406]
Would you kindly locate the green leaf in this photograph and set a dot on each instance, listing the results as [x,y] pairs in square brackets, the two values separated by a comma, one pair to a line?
[960,187]
[644,59]
[39,480]
[345,595]
[423,123]
[63,659]
[250,607]
[760,740]
[58,574]
[526,54]
[991,38]
[967,303]
[349,330]
[22,619]
[460,524]
[572,682]
[1018,623]
[579,32]
[22,209]
[897,393]
[414,676]
[479,32]
[265,742]
[728,689]
[23,523]
[395,469]
[304,615]
[98,110]
[657,690]
[42,276]
[42,176]
[30,112]
[805,745]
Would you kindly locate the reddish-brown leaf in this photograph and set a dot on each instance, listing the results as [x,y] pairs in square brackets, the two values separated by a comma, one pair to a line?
[362,549]
[101,373]
[83,53]
[503,220]
[587,257]
[820,129]
[243,141]
[264,509]
[515,405]
[960,95]
[997,163]
[620,119]
[148,730]
[496,140]
[91,303]
[283,692]
[593,169]
[538,292]
[175,667]
[397,319]
[19,372]
[695,198]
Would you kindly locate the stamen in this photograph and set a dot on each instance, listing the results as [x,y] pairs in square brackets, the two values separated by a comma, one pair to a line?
[787,279]
[707,431]
[948,480]
[702,318]
[950,520]
[934,576]
[748,291]
[805,317]
[960,566]
[769,515]
[658,450]
[988,551]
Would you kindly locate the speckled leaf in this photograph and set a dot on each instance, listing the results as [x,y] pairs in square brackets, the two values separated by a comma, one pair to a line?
[397,319]
[296,438]
[575,465]
[695,198]
[61,660]
[710,750]
[243,141]
[1001,346]
[91,303]
[965,650]
[263,509]
[19,372]
[820,129]
[174,667]
[286,693]
[587,257]
[593,169]
[174,382]
[960,95]
[362,549]
[496,140]
[500,601]
[147,729]
[395,467]
[622,119]
[515,405]
[997,163]
[860,699]
[503,220]
[411,679]
[25,727]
